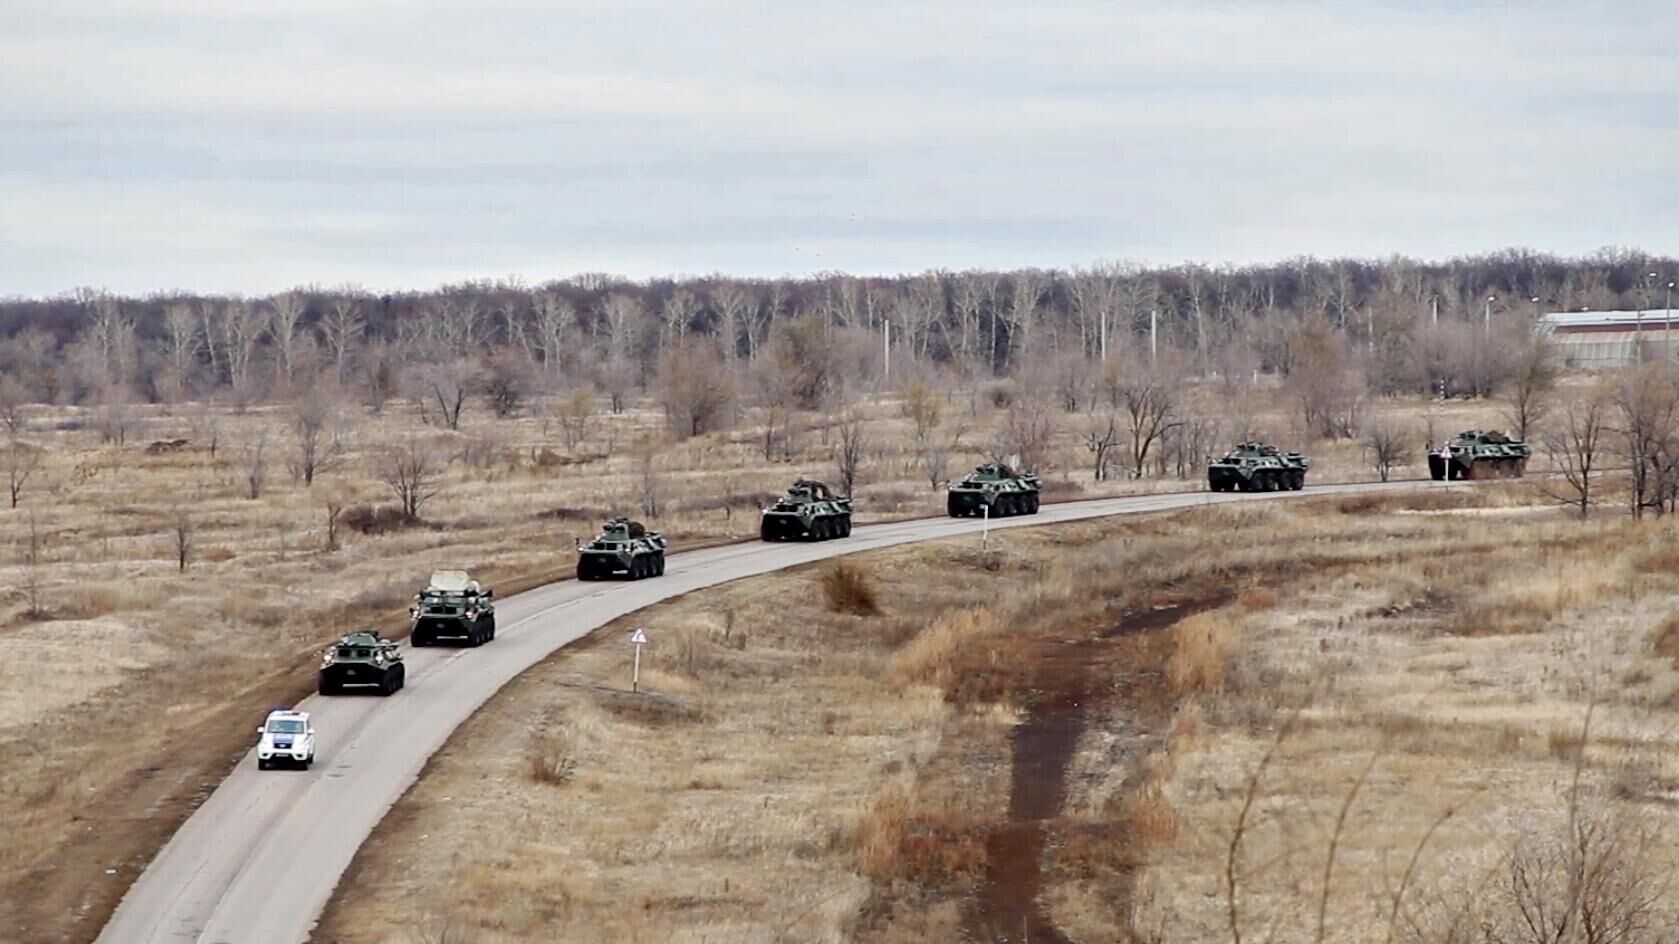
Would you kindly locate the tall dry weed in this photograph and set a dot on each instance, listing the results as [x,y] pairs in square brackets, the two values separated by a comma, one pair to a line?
[896,840]
[931,657]
[1202,647]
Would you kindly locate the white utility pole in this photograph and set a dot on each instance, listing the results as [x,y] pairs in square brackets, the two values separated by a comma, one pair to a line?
[1102,333]
[1434,310]
[1153,336]
[1486,319]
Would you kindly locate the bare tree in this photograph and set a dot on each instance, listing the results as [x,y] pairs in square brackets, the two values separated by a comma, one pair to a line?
[287,311]
[506,376]
[1148,401]
[1575,444]
[182,326]
[411,473]
[1027,432]
[333,503]
[1387,446]
[853,446]
[255,462]
[696,388]
[921,406]
[1533,376]
[447,385]
[1102,434]
[14,399]
[21,459]
[552,315]
[313,423]
[182,526]
[1646,402]
[935,459]
[342,327]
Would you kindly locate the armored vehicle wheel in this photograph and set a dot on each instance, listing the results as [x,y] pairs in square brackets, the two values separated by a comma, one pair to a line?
[492,626]
[828,528]
[401,673]
[951,508]
[639,567]
[584,571]
[1296,481]
[419,638]
[1032,504]
[765,532]
[327,686]
[845,526]
[659,564]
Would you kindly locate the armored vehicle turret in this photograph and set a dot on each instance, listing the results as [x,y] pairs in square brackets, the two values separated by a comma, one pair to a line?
[362,659]
[452,606]
[1258,467]
[808,510]
[994,489]
[1474,454]
[622,547]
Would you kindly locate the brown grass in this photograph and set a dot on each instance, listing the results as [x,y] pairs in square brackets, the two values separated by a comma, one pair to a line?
[931,657]
[848,589]
[900,841]
[1202,647]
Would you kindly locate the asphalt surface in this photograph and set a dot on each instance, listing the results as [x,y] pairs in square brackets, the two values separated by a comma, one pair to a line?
[257,862]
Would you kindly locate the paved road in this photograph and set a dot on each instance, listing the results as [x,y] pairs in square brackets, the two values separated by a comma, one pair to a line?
[258,861]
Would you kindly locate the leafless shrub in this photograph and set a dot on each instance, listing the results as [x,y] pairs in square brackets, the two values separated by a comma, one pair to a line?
[553,759]
[650,483]
[32,547]
[505,379]
[1387,446]
[575,413]
[1028,431]
[848,589]
[848,456]
[922,408]
[254,461]
[1101,436]
[1533,376]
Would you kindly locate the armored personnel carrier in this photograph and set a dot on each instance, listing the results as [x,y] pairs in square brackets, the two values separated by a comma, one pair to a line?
[362,659]
[452,606]
[808,510]
[1479,455]
[997,487]
[622,547]
[1258,467]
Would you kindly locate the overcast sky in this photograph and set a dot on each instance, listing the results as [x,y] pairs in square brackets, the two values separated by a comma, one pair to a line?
[246,146]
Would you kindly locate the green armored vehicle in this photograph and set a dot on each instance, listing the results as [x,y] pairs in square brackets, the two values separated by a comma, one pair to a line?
[1479,455]
[1258,467]
[453,606]
[362,658]
[623,547]
[994,487]
[808,510]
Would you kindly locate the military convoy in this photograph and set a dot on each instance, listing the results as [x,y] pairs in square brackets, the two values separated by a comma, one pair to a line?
[996,490]
[622,547]
[1475,454]
[1258,467]
[809,510]
[362,659]
[452,606]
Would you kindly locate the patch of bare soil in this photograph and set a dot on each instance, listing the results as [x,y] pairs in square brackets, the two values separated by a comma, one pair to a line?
[1073,679]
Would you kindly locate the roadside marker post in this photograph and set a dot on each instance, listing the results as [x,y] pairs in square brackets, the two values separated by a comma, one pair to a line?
[985,528]
[637,639]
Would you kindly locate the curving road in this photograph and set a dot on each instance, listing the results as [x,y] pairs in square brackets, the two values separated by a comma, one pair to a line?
[258,861]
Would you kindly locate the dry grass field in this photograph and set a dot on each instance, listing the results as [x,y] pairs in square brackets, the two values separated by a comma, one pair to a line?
[1360,719]
[127,683]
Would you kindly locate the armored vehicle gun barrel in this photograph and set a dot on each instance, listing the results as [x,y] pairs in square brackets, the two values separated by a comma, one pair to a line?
[623,547]
[1258,467]
[996,490]
[811,510]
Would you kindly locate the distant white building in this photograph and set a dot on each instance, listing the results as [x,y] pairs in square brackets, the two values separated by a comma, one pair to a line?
[1598,339]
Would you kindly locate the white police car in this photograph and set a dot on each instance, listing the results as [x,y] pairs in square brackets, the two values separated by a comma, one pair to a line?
[287,738]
